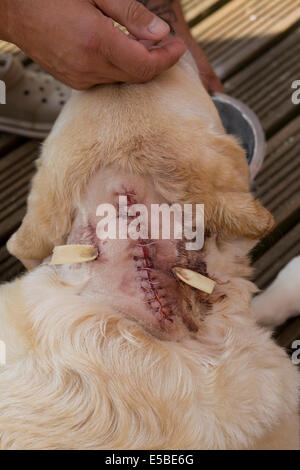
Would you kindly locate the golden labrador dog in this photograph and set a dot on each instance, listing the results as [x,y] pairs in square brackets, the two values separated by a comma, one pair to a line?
[117,353]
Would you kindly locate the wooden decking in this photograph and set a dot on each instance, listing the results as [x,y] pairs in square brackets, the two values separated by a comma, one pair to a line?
[254,46]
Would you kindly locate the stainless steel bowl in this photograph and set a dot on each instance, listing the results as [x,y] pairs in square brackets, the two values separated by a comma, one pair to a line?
[238,119]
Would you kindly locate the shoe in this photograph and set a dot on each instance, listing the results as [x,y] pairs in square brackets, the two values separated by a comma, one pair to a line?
[33,99]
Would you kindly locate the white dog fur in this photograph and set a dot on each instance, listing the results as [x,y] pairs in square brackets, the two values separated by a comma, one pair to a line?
[79,373]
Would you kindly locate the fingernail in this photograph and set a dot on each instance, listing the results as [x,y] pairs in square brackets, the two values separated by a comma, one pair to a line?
[158,27]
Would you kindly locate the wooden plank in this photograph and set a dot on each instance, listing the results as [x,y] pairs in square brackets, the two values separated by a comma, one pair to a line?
[9,142]
[15,196]
[10,175]
[278,188]
[11,224]
[288,333]
[192,9]
[9,266]
[16,171]
[10,160]
[265,85]
[268,266]
[283,141]
[242,29]
[278,184]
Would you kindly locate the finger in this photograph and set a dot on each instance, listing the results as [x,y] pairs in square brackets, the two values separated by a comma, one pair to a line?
[136,18]
[112,74]
[108,74]
[135,59]
[163,56]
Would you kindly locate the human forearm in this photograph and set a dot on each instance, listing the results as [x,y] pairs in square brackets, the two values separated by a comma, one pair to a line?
[6,7]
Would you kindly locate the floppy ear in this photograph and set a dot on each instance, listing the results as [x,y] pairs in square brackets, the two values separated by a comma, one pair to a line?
[48,217]
[238,213]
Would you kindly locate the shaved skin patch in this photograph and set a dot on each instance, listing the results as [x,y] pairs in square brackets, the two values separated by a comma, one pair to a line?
[135,277]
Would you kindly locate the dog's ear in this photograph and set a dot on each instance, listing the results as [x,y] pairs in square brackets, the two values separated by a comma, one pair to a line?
[48,217]
[238,213]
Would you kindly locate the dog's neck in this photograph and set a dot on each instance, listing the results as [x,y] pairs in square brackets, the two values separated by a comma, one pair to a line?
[133,273]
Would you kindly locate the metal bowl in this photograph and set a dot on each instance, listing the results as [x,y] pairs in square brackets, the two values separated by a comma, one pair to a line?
[238,119]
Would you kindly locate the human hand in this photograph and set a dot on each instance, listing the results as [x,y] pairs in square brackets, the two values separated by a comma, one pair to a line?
[77,42]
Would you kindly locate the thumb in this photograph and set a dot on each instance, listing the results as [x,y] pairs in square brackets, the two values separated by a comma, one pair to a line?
[136,18]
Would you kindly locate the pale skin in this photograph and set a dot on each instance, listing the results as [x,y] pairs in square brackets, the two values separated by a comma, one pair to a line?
[76,40]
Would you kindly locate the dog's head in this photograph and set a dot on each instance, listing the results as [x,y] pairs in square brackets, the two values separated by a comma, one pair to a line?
[161,142]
